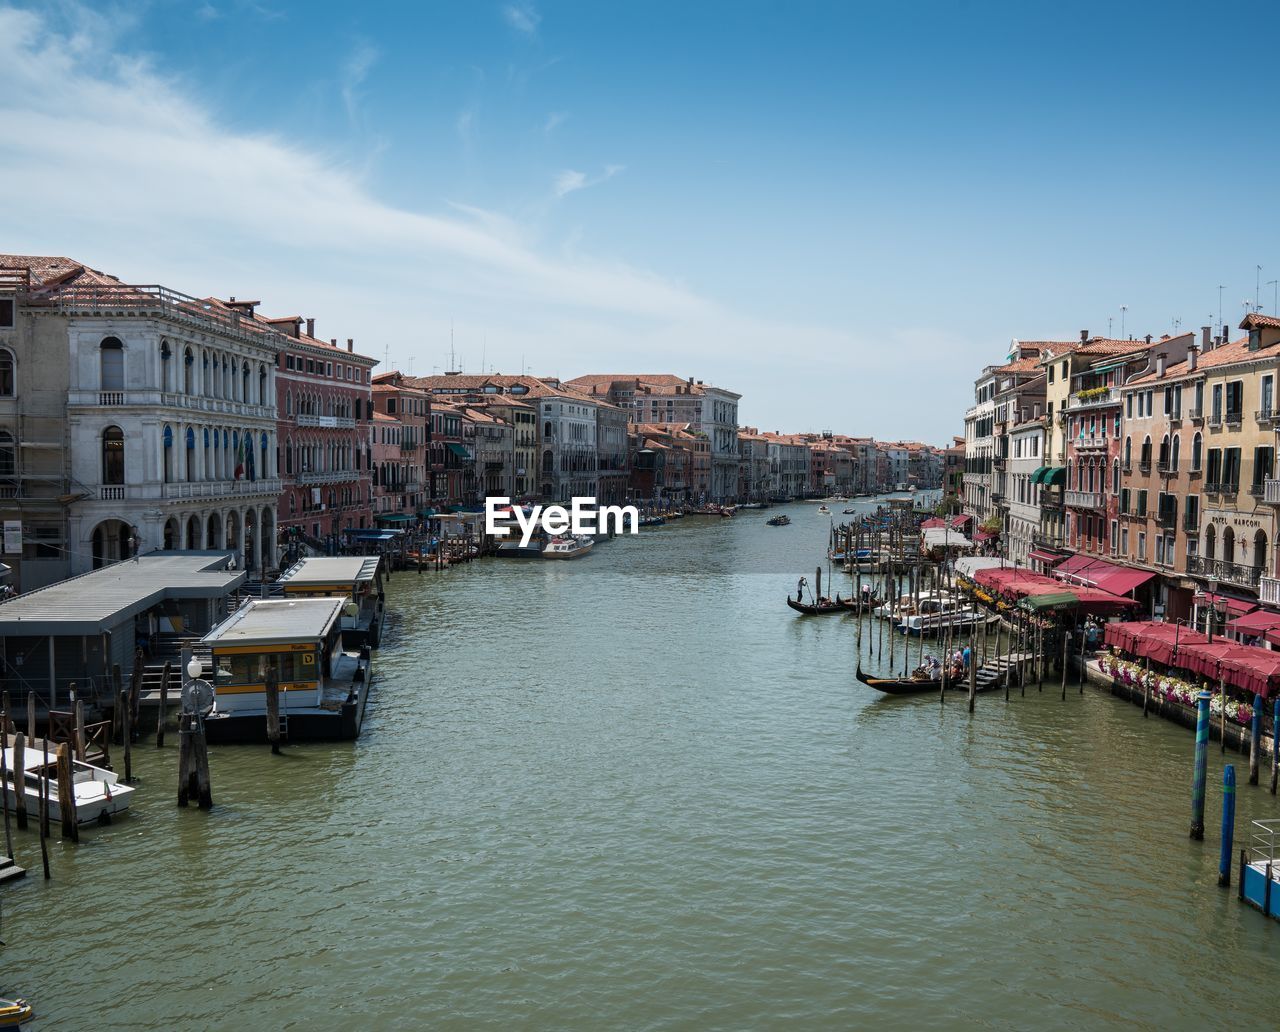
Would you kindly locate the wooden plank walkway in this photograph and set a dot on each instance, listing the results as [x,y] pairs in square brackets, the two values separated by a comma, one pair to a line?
[9,871]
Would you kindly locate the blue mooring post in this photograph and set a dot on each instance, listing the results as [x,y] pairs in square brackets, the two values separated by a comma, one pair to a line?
[1202,766]
[1228,823]
[1255,739]
[1275,745]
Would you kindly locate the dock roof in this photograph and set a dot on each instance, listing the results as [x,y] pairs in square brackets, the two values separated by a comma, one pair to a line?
[282,621]
[354,569]
[103,599]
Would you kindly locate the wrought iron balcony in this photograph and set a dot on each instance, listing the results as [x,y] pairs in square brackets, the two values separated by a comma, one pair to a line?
[1094,398]
[1167,469]
[1191,522]
[1196,415]
[1042,540]
[1234,417]
[1220,569]
[1166,518]
[1257,490]
[1268,416]
[1144,465]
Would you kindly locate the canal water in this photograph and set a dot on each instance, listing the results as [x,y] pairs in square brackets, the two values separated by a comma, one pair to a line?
[636,791]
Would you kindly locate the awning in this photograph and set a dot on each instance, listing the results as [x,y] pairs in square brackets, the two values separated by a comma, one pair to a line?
[1234,606]
[963,519]
[1098,573]
[458,450]
[1255,623]
[1038,476]
[1049,558]
[393,517]
[1056,476]
[986,535]
[1052,600]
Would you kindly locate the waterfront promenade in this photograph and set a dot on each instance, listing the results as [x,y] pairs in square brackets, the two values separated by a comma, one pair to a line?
[655,797]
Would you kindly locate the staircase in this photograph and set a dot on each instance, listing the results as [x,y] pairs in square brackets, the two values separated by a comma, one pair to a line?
[169,650]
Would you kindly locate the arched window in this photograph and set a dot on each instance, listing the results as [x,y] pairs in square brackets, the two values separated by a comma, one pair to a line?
[1196,445]
[188,371]
[1260,550]
[546,431]
[262,385]
[244,383]
[288,456]
[1115,477]
[288,403]
[1228,545]
[1128,452]
[1210,541]
[1146,451]
[1173,455]
[1164,451]
[165,355]
[263,469]
[548,462]
[8,455]
[113,455]
[111,365]
[168,454]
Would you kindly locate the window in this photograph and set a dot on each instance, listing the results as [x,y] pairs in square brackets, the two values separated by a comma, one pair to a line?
[1264,461]
[1214,472]
[1173,457]
[1177,402]
[1235,400]
[111,365]
[1265,395]
[1142,502]
[113,455]
[1128,406]
[8,455]
[1197,444]
[1142,546]
[1231,467]
[1216,416]
[6,313]
[1050,379]
[7,382]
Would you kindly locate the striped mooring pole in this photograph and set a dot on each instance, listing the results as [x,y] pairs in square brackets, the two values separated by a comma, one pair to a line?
[1228,823]
[1201,767]
[1275,745]
[1255,739]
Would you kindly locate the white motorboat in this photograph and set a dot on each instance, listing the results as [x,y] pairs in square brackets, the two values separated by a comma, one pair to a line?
[823,511]
[898,610]
[98,791]
[952,614]
[567,546]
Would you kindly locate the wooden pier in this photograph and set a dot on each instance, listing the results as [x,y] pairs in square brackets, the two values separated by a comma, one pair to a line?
[9,871]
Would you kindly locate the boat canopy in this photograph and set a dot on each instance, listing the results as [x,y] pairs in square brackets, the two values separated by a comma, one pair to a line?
[314,574]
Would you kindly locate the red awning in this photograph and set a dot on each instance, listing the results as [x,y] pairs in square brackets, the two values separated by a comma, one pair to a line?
[932,523]
[1246,667]
[985,535]
[1149,639]
[1044,557]
[959,521]
[1074,563]
[1234,606]
[1255,623]
[1119,580]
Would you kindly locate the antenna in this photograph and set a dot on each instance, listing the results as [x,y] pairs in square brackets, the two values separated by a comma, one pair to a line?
[1221,288]
[1123,309]
[386,358]
[1257,287]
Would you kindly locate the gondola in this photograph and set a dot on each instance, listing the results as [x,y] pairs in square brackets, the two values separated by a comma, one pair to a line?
[898,685]
[838,606]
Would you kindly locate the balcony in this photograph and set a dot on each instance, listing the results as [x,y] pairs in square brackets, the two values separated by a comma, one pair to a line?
[1042,540]
[326,422]
[1166,518]
[998,462]
[1049,500]
[1257,490]
[1091,444]
[329,476]
[1191,522]
[1221,570]
[1084,499]
[162,399]
[1167,469]
[1267,417]
[1269,590]
[1271,492]
[411,487]
[221,488]
[1196,415]
[1234,417]
[1097,397]
[1218,487]
[1062,417]
[1144,466]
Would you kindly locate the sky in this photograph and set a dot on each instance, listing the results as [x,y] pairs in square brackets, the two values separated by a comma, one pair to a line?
[842,211]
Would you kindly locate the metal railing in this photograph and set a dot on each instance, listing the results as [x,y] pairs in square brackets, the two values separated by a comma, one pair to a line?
[328,476]
[1144,465]
[1267,416]
[1234,417]
[1084,499]
[1220,569]
[1191,522]
[1167,468]
[1097,397]
[1196,415]
[326,422]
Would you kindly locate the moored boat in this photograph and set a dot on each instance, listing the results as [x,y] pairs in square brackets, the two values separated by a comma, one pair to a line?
[566,546]
[14,1010]
[98,792]
[823,607]
[899,685]
[779,521]
[358,577]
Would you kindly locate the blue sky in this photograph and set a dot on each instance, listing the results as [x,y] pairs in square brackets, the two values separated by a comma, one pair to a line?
[841,210]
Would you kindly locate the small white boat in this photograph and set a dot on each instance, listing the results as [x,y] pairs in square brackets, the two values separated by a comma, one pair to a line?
[930,602]
[98,791]
[823,511]
[567,546]
[955,615]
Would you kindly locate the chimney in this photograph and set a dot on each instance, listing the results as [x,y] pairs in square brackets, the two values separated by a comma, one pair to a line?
[333,341]
[1161,359]
[1193,355]
[351,344]
[1148,340]
[1226,333]
[311,327]
[691,381]
[1084,336]
[1204,337]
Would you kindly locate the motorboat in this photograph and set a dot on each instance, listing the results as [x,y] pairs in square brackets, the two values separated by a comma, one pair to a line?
[953,614]
[779,521]
[98,792]
[823,510]
[14,1010]
[567,546]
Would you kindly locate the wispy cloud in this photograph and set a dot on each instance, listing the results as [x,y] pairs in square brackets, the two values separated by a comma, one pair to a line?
[570,180]
[554,121]
[355,69]
[523,17]
[207,12]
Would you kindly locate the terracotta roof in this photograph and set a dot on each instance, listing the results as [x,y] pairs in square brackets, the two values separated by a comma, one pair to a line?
[536,387]
[1258,319]
[51,271]
[1222,355]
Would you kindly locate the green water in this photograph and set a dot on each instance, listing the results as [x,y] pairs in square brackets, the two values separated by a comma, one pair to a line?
[635,791]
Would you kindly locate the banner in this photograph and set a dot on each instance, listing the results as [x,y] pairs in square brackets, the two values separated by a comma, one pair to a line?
[13,537]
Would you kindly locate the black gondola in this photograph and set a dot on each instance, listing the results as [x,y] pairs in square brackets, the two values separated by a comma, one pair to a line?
[898,685]
[839,605]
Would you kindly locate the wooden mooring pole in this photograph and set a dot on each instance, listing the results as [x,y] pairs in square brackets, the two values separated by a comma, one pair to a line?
[273,713]
[67,794]
[1255,739]
[1275,745]
[18,781]
[163,712]
[126,730]
[44,809]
